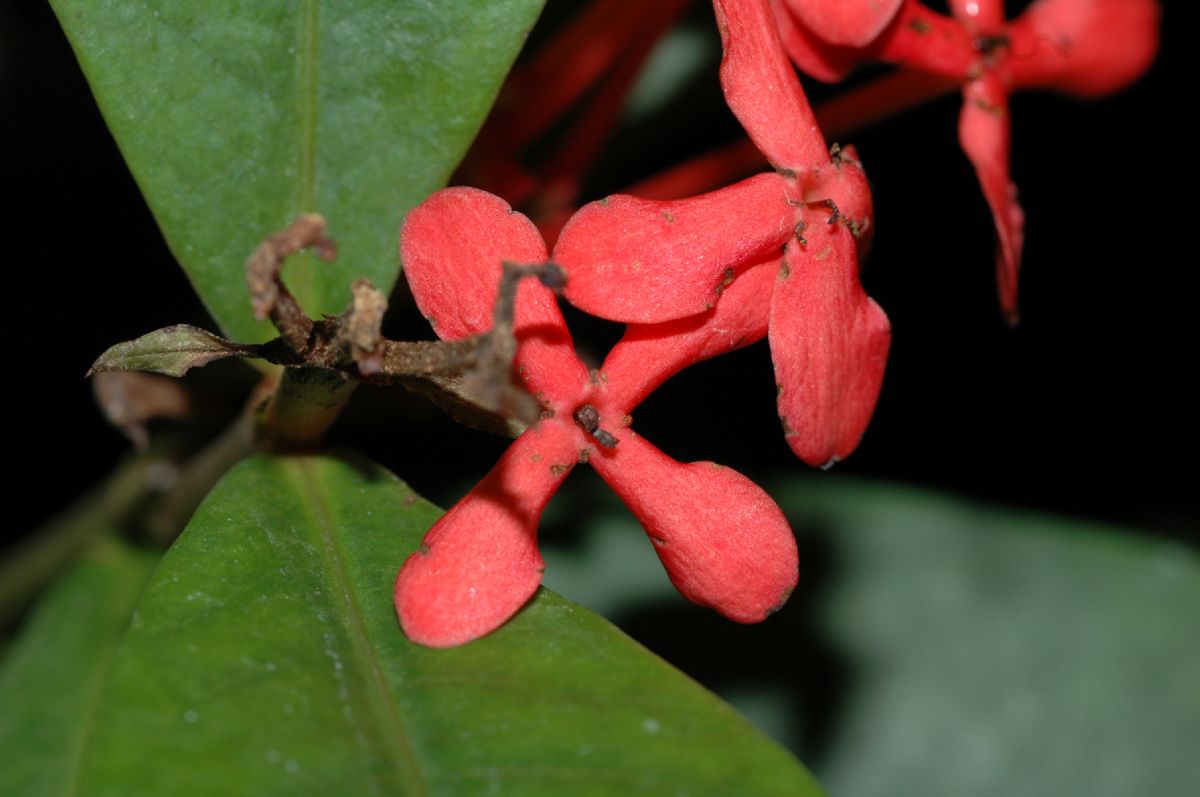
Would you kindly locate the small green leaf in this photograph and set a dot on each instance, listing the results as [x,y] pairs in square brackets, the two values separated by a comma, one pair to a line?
[171,350]
[234,121]
[52,674]
[265,658]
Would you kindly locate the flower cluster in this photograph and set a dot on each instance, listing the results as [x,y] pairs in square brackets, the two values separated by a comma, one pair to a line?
[774,256]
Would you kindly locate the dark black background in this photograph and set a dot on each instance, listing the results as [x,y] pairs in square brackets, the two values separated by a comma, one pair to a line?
[1085,408]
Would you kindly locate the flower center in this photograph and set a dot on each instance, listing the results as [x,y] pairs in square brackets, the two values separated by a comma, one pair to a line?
[588,418]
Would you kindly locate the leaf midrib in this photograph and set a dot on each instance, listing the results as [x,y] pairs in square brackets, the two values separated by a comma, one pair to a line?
[346,608]
[300,281]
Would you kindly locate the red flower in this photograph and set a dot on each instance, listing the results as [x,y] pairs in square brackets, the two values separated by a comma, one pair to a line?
[644,261]
[1084,47]
[723,541]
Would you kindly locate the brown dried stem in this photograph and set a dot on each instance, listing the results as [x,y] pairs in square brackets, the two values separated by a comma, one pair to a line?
[469,378]
[324,360]
[269,297]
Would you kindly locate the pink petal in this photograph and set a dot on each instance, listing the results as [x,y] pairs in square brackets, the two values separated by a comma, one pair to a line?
[852,23]
[649,354]
[722,540]
[762,89]
[480,563]
[1087,47]
[645,261]
[452,247]
[983,131]
[816,58]
[829,342]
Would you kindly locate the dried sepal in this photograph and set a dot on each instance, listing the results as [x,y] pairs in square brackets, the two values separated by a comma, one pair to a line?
[129,400]
[269,297]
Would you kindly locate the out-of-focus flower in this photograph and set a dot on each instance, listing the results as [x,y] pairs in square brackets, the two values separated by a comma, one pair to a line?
[1082,47]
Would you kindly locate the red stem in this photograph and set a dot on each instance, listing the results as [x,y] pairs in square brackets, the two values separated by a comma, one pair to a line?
[590,129]
[572,62]
[842,116]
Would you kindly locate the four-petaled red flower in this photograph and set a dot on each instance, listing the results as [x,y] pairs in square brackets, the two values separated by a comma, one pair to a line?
[1083,47]
[723,541]
[636,260]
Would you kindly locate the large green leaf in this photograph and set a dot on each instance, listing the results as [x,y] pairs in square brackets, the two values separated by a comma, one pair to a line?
[1007,653]
[53,673]
[234,117]
[941,648]
[265,658]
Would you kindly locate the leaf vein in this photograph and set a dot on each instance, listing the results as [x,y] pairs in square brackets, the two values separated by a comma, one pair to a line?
[345,603]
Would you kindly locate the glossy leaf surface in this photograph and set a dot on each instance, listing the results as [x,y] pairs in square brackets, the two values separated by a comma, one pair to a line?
[234,120]
[935,646]
[265,658]
[52,674]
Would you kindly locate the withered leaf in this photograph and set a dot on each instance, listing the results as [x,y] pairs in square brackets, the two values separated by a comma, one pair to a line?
[173,351]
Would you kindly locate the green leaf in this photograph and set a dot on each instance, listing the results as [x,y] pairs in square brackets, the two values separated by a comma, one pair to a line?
[1031,655]
[948,648]
[265,658]
[53,673]
[234,120]
[173,351]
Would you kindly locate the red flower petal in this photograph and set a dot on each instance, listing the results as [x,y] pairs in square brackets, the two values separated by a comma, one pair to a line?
[812,56]
[853,23]
[925,40]
[979,16]
[762,89]
[916,38]
[722,540]
[983,131]
[1087,47]
[845,183]
[829,342]
[645,261]
[452,247]
[649,354]
[480,563]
